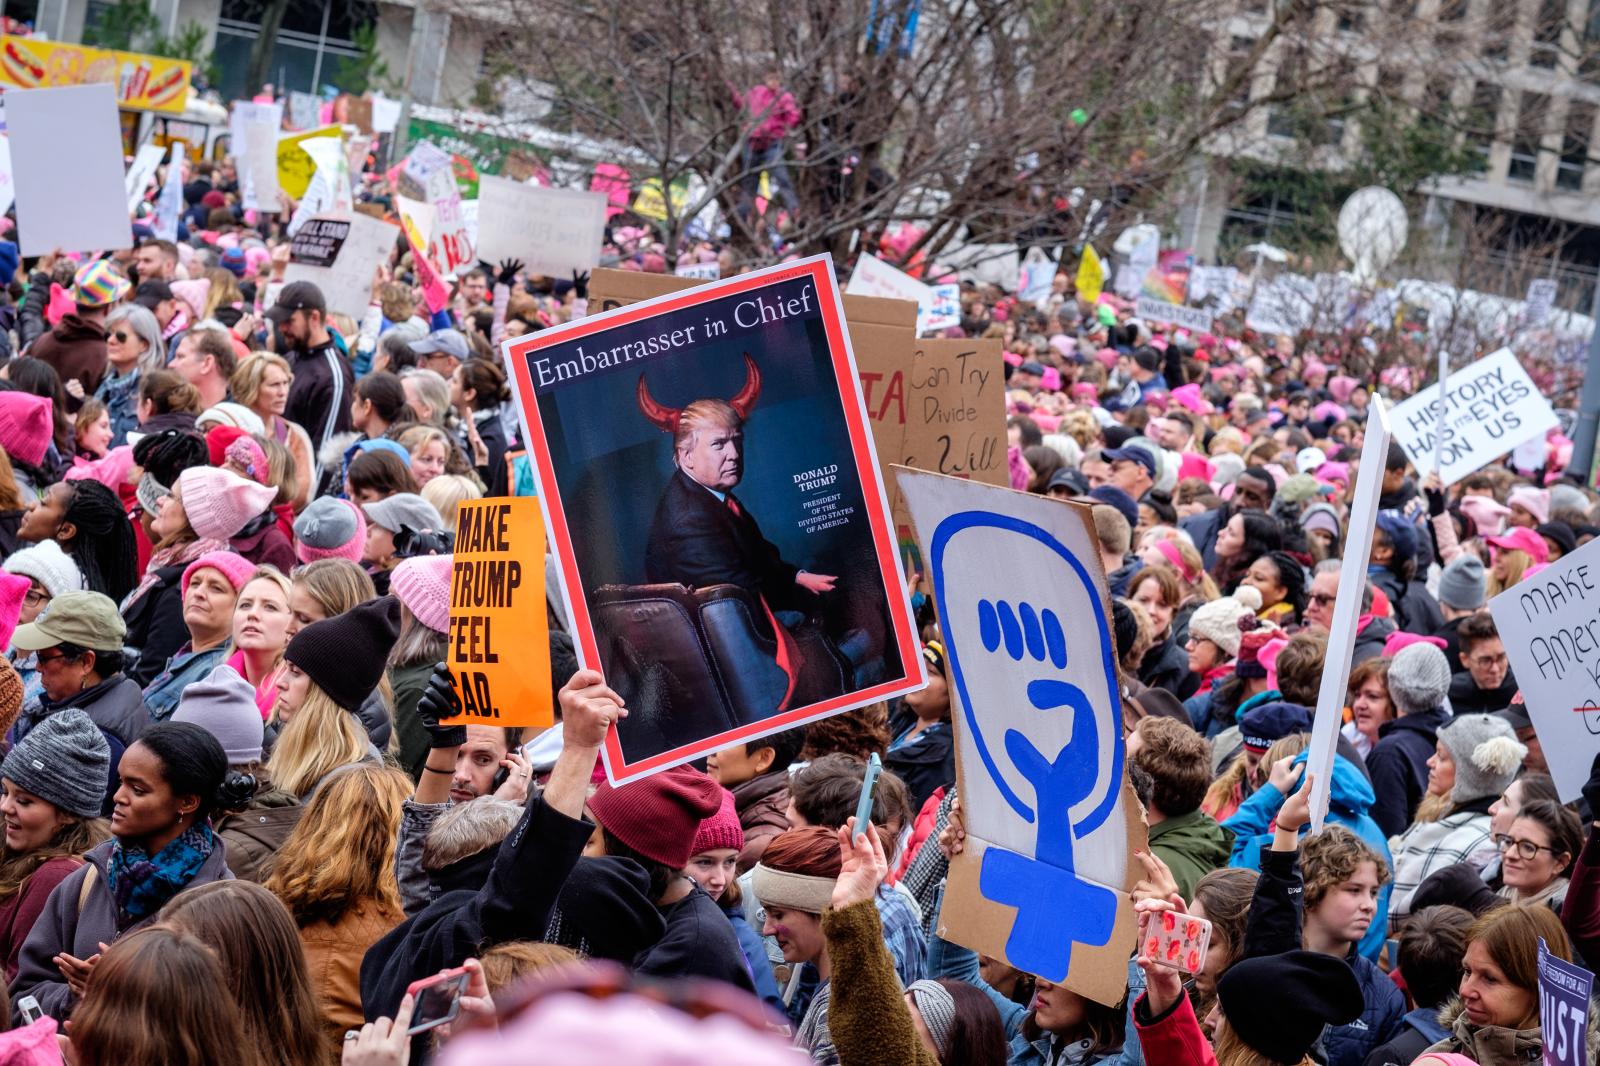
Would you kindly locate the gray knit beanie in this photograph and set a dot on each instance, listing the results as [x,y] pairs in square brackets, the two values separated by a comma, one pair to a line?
[1462,584]
[1486,752]
[938,1009]
[1419,678]
[65,761]
[224,705]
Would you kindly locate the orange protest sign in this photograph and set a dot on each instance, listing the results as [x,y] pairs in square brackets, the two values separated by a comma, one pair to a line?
[499,632]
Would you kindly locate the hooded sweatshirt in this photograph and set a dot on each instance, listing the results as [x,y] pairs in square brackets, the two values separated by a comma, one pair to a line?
[1192,845]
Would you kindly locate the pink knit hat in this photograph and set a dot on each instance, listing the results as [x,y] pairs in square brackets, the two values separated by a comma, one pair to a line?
[231,565]
[423,585]
[13,590]
[721,830]
[220,502]
[1487,513]
[111,470]
[1535,501]
[1192,465]
[1400,639]
[25,430]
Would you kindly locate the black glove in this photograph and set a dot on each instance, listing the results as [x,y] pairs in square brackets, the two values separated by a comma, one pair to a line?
[1435,502]
[580,283]
[1591,790]
[439,700]
[509,269]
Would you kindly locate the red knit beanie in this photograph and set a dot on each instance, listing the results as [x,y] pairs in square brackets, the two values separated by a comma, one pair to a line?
[659,816]
[721,830]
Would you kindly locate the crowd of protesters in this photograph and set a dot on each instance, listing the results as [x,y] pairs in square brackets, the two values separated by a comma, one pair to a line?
[236,831]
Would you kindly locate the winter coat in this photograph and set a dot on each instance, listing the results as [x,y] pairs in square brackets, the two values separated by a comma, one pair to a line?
[1467,698]
[762,803]
[1580,912]
[1495,1045]
[1166,666]
[492,431]
[334,951]
[77,921]
[1418,1029]
[264,543]
[1398,764]
[754,950]
[120,394]
[1430,846]
[319,395]
[156,629]
[1192,845]
[1371,638]
[698,942]
[255,834]
[1174,1037]
[185,667]
[23,907]
[514,903]
[409,682]
[927,763]
[75,348]
[1203,529]
[869,1019]
[1415,609]
[1450,633]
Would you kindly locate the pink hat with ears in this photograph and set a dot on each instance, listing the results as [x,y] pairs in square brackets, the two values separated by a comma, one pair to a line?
[25,426]
[13,590]
[1189,396]
[1050,379]
[1268,657]
[1047,423]
[1341,386]
[1011,358]
[1106,357]
[1086,392]
[255,256]
[1327,411]
[1192,465]
[1401,639]
[1487,513]
[111,470]
[193,292]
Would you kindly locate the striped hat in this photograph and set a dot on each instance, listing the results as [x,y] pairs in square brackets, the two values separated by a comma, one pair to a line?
[98,285]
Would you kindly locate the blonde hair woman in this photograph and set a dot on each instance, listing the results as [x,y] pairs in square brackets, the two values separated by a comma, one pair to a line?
[261,621]
[336,875]
[261,383]
[434,453]
[324,589]
[447,492]
[330,668]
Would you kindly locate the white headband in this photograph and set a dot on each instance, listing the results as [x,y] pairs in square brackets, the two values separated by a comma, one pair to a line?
[800,892]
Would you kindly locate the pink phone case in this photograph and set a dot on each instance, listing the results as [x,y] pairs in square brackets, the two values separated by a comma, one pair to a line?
[1178,941]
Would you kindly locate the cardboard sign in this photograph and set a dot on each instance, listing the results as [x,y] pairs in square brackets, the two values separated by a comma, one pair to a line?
[499,631]
[1547,623]
[1193,319]
[1563,1009]
[318,241]
[1091,277]
[140,82]
[728,586]
[1347,608]
[434,291]
[1489,408]
[294,165]
[1052,822]
[141,172]
[1536,305]
[873,277]
[553,231]
[69,188]
[346,281]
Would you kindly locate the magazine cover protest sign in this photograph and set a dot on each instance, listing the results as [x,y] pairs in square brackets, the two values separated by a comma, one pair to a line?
[715,506]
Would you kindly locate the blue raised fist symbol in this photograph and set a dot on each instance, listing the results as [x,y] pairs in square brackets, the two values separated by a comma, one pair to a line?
[1015,634]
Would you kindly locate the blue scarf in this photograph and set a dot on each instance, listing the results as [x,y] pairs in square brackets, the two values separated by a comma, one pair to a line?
[142,883]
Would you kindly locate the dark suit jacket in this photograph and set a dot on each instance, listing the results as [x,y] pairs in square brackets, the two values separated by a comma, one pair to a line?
[697,540]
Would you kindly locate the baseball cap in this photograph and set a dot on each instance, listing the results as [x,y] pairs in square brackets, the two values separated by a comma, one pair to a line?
[1132,453]
[297,296]
[151,294]
[445,342]
[87,619]
[1309,458]
[1521,538]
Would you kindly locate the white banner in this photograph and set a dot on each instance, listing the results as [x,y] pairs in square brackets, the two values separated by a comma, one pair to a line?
[553,231]
[347,284]
[873,277]
[141,171]
[1193,319]
[1489,408]
[66,163]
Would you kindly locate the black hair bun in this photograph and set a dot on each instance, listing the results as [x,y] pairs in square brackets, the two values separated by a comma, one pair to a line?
[236,791]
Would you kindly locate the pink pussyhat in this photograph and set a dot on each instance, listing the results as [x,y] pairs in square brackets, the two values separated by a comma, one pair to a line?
[1189,396]
[1192,465]
[1341,386]
[1401,639]
[111,470]
[13,590]
[25,429]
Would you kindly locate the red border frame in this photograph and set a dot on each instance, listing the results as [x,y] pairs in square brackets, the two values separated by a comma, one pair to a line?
[820,270]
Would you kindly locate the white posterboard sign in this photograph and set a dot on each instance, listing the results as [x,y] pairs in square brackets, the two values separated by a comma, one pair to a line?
[1547,623]
[141,172]
[259,173]
[8,188]
[946,310]
[1536,305]
[347,284]
[385,113]
[66,156]
[711,271]
[1051,822]
[1347,608]
[1037,276]
[873,277]
[1489,408]
[553,231]
[1193,319]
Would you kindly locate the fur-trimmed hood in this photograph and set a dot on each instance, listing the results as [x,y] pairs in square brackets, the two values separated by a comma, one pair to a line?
[1494,1045]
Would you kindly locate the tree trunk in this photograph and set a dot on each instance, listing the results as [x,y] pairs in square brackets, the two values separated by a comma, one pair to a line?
[261,51]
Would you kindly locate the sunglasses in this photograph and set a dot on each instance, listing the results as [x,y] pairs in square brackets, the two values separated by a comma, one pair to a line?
[122,338]
[44,660]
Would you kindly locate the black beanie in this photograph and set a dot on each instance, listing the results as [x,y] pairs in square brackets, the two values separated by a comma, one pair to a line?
[1307,990]
[346,654]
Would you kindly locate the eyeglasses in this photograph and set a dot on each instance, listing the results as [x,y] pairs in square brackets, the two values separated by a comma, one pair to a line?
[1526,849]
[36,596]
[1489,660]
[1321,599]
[44,660]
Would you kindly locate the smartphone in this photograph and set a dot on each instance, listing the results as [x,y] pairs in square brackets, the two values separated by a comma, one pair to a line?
[1178,941]
[438,999]
[869,783]
[29,1009]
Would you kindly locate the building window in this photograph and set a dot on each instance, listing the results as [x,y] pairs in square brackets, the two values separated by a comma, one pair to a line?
[1549,22]
[1575,145]
[1498,23]
[1482,120]
[1281,122]
[1525,145]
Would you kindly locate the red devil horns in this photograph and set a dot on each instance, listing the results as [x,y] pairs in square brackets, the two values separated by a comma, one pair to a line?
[667,418]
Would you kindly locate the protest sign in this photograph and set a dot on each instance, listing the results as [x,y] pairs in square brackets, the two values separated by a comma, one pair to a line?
[711,271]
[66,166]
[1563,1009]
[1536,305]
[987,264]
[318,242]
[449,239]
[1347,607]
[257,138]
[295,166]
[1211,287]
[615,183]
[141,172]
[1193,319]
[946,309]
[1129,279]
[1547,623]
[745,581]
[1489,408]
[499,635]
[385,114]
[1037,276]
[8,188]
[1052,823]
[345,281]
[169,205]
[434,291]
[1091,278]
[305,110]
[873,277]
[139,82]
[1276,309]
[553,231]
